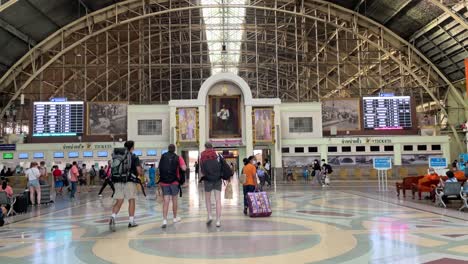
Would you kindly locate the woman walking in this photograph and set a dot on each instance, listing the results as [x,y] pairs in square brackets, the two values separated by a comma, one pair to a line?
[33,175]
[250,184]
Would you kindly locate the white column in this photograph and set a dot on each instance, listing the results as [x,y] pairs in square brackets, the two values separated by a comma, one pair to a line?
[278,155]
[202,128]
[172,125]
[397,155]
[248,130]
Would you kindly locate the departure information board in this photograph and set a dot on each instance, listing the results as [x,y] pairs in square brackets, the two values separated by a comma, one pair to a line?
[58,118]
[387,113]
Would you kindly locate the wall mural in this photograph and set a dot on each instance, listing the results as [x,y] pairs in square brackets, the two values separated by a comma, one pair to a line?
[263,128]
[187,124]
[107,118]
[343,113]
[225,121]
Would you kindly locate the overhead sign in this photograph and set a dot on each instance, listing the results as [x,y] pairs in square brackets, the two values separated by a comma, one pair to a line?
[7,147]
[384,163]
[437,162]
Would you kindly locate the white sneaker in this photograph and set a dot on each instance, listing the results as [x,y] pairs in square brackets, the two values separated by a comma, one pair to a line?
[218,223]
[208,221]
[100,195]
[164,225]
[177,219]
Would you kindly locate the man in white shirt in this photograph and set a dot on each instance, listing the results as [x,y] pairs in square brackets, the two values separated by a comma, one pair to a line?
[224,115]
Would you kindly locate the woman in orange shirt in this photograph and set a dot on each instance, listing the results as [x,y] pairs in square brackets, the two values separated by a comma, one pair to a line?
[250,184]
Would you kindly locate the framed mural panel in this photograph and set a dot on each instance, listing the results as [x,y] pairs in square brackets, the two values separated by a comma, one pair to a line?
[106,118]
[187,125]
[224,115]
[263,125]
[344,113]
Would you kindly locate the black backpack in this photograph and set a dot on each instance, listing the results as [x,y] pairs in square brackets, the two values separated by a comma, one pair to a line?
[212,169]
[226,172]
[168,166]
[328,168]
[121,165]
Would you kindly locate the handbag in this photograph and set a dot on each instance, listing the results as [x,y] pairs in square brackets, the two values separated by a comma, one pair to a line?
[228,191]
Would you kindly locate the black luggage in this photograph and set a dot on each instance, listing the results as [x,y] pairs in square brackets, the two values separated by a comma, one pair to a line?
[45,195]
[21,204]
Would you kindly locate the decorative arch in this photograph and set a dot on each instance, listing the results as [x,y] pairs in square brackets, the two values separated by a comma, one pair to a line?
[224,77]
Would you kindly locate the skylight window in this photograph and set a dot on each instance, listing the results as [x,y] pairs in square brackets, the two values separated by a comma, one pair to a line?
[224,26]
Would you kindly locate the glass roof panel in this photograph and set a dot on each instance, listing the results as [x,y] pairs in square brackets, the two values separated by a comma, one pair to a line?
[224,27]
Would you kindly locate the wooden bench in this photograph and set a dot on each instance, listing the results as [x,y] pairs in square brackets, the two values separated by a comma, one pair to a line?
[407,184]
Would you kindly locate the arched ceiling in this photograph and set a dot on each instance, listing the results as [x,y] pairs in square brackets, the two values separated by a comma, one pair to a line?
[442,39]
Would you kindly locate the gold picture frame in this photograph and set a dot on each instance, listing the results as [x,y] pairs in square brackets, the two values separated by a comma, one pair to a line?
[224,125]
[187,128]
[263,125]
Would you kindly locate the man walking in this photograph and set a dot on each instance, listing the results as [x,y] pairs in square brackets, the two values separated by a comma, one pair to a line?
[107,180]
[92,175]
[169,173]
[125,169]
[152,176]
[211,175]
[73,175]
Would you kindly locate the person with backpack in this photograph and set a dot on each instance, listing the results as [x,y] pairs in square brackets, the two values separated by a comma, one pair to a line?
[210,172]
[326,171]
[125,170]
[106,177]
[170,180]
[92,175]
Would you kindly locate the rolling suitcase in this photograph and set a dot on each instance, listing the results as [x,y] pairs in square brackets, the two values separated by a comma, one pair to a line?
[259,204]
[21,204]
[45,194]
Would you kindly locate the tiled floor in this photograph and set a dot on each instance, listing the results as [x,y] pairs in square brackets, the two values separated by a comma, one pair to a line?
[346,223]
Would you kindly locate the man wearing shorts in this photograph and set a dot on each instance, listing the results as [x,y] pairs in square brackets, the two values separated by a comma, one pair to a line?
[211,175]
[126,189]
[169,165]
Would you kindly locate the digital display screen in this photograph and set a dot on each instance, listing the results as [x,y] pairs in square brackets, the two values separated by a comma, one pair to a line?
[73,154]
[8,155]
[58,118]
[138,152]
[59,155]
[151,152]
[102,154]
[387,113]
[163,151]
[23,156]
[87,154]
[38,155]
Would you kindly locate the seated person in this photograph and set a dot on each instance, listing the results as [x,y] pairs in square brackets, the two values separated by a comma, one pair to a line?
[7,188]
[460,175]
[451,178]
[3,212]
[424,184]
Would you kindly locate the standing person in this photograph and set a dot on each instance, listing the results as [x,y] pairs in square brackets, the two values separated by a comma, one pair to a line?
[3,172]
[316,172]
[73,175]
[169,173]
[57,174]
[152,176]
[267,167]
[43,172]
[197,170]
[85,179]
[250,184]
[102,173]
[9,172]
[211,175]
[107,179]
[261,173]
[33,175]
[125,175]
[305,174]
[92,175]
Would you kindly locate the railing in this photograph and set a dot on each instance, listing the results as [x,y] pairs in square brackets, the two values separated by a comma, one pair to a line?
[4,4]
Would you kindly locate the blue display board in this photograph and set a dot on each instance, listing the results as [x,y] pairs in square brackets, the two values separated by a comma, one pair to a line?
[23,156]
[437,162]
[138,153]
[163,151]
[38,155]
[87,154]
[59,155]
[74,154]
[102,154]
[384,163]
[151,152]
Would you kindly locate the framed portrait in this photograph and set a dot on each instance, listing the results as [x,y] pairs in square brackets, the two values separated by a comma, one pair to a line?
[344,113]
[225,120]
[263,124]
[106,118]
[187,124]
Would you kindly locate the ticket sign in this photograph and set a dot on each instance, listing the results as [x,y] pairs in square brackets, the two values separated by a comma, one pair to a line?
[438,162]
[382,163]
